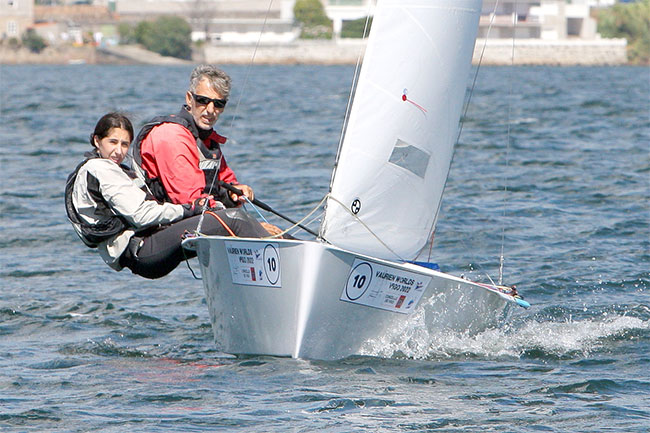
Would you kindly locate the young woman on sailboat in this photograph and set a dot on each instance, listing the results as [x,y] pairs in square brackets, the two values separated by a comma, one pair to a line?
[112,211]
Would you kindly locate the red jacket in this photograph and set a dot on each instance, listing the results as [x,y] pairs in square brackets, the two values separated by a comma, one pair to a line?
[169,152]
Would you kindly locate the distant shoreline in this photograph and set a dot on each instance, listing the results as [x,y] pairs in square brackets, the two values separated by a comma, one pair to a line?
[494,52]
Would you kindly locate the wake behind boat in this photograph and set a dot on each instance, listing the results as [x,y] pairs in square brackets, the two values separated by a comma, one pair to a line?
[324,299]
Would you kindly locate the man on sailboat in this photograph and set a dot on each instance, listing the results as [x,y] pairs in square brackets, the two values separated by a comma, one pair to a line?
[179,156]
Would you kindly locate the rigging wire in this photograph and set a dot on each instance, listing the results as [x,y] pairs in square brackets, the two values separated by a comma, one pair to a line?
[471,92]
[250,65]
[353,87]
[232,122]
[344,206]
[507,155]
[241,95]
[305,218]
[462,119]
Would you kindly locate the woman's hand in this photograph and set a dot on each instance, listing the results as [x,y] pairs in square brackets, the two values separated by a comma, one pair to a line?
[196,207]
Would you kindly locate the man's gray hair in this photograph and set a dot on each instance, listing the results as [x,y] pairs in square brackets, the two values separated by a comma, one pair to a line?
[218,79]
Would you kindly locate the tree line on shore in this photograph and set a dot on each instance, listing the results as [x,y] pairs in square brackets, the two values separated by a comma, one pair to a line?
[632,22]
[171,35]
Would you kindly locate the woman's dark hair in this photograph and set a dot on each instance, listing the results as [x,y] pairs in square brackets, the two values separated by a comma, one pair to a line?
[108,122]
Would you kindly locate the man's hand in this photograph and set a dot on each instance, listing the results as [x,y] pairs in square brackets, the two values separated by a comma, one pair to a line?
[273,230]
[248,192]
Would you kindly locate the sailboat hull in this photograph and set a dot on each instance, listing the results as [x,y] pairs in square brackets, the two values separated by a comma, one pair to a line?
[307,299]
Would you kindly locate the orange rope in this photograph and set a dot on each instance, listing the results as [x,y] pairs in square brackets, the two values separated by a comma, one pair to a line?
[223,223]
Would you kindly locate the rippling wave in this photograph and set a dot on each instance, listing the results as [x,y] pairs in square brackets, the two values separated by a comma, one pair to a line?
[566,194]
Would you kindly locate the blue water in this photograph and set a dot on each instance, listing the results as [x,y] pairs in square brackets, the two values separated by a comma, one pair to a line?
[553,164]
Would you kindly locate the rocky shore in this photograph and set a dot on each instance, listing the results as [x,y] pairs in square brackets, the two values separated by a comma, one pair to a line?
[494,52]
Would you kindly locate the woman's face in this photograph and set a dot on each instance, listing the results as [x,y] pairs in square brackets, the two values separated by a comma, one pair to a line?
[115,145]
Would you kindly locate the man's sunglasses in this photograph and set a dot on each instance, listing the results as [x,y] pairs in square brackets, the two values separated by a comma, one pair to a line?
[204,100]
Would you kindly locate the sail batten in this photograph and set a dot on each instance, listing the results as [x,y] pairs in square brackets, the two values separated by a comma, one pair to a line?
[398,144]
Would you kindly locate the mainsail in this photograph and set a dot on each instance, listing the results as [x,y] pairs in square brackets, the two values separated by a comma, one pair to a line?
[398,144]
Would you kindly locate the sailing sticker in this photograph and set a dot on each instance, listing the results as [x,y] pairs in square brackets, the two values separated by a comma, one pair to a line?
[254,263]
[356,206]
[358,281]
[384,287]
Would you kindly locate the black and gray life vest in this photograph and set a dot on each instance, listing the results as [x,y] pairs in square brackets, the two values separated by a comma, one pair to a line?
[209,158]
[109,223]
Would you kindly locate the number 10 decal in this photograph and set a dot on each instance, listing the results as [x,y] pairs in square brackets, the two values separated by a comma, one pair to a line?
[358,281]
[384,286]
[271,264]
[254,263]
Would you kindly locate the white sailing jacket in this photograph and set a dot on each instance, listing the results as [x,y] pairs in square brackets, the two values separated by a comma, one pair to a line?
[124,199]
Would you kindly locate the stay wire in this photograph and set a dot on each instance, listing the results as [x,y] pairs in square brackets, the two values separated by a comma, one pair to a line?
[355,78]
[300,222]
[250,65]
[241,95]
[478,67]
[464,116]
[507,155]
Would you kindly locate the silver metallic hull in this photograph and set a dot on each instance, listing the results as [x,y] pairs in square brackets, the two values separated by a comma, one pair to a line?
[317,301]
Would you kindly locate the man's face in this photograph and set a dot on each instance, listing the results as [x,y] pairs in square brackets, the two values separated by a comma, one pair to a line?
[205,115]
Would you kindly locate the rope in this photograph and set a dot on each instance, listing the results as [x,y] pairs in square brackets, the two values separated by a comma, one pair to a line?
[187,262]
[299,222]
[365,226]
[256,209]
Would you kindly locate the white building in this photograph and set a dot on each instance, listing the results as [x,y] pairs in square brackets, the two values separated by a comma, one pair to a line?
[347,10]
[16,16]
[537,19]
[223,21]
[526,19]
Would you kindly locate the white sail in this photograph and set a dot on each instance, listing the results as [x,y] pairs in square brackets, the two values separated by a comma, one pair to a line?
[398,144]
[309,299]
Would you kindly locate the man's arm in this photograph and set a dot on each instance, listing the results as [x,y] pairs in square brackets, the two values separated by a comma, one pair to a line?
[227,175]
[225,172]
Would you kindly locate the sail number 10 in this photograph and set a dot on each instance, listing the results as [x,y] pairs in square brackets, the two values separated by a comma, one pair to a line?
[358,281]
[271,259]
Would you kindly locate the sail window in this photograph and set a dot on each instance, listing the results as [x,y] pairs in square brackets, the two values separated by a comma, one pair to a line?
[410,157]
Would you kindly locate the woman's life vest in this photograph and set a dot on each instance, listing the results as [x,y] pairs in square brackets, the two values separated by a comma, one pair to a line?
[108,225]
